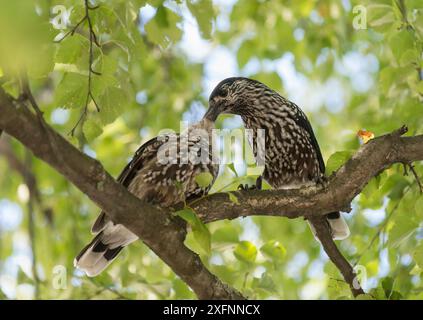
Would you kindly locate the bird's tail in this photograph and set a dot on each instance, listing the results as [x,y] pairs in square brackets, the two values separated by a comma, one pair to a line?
[103,249]
[338,226]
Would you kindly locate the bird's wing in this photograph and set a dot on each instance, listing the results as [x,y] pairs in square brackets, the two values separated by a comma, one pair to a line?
[143,154]
[302,121]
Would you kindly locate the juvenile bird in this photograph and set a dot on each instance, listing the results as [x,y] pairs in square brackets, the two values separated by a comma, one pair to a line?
[162,172]
[292,154]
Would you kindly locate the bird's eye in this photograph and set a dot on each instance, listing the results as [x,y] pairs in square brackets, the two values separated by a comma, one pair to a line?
[223,92]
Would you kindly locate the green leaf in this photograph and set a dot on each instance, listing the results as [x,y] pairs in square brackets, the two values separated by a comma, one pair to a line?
[22,277]
[401,231]
[72,91]
[410,56]
[202,10]
[274,250]
[246,251]
[161,17]
[41,67]
[338,288]
[420,87]
[387,285]
[163,29]
[416,271]
[226,234]
[400,42]
[182,291]
[370,196]
[204,179]
[380,14]
[92,128]
[71,48]
[336,160]
[364,297]
[199,230]
[103,279]
[418,206]
[387,78]
[245,52]
[270,79]
[395,295]
[231,167]
[12,88]
[107,67]
[378,293]
[111,104]
[188,215]
[265,282]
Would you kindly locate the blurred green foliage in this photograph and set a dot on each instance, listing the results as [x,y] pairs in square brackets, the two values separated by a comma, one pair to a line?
[148,83]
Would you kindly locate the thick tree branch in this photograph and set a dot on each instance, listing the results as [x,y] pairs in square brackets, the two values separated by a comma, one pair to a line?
[161,232]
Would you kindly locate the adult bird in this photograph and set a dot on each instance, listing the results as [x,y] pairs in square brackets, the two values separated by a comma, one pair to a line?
[162,172]
[292,154]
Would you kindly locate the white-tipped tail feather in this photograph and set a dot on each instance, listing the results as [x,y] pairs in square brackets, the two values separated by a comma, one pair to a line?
[103,249]
[339,228]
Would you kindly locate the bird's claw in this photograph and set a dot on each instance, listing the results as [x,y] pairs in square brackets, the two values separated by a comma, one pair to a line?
[256,186]
[245,187]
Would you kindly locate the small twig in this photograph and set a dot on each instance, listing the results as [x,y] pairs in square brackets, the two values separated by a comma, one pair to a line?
[91,71]
[405,169]
[95,294]
[72,30]
[26,94]
[108,288]
[93,8]
[399,132]
[31,226]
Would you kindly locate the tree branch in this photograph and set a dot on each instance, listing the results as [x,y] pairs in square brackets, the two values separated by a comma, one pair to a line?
[325,237]
[32,229]
[163,233]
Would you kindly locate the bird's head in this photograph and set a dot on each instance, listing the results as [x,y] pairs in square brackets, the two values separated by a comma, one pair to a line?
[235,95]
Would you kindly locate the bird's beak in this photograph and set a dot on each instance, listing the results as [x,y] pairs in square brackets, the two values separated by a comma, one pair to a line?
[213,111]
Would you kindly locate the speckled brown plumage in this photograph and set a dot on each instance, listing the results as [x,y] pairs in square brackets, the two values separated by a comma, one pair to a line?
[164,184]
[292,155]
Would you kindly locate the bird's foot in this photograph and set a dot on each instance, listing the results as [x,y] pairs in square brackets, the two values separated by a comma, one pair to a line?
[245,187]
[256,186]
